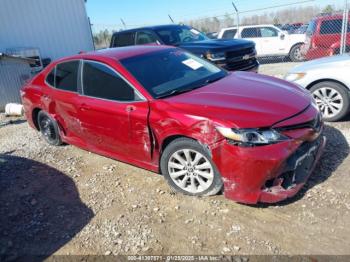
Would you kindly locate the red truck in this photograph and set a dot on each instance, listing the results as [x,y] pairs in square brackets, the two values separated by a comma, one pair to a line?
[323,37]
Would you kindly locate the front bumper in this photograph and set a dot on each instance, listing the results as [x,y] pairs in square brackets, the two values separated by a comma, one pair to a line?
[270,173]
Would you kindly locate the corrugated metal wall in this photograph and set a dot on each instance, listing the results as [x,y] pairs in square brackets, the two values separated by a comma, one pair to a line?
[57,27]
[13,73]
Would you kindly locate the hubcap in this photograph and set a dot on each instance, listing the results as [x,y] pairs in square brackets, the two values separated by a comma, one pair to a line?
[329,101]
[47,129]
[297,54]
[190,170]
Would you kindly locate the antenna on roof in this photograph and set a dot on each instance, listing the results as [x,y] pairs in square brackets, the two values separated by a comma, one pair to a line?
[171,19]
[123,23]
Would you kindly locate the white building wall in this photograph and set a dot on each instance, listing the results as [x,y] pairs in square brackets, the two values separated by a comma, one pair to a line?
[57,27]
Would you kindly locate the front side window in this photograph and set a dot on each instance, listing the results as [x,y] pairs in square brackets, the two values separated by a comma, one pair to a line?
[173,71]
[143,38]
[124,39]
[229,34]
[176,35]
[66,77]
[101,81]
[250,33]
[331,27]
[268,32]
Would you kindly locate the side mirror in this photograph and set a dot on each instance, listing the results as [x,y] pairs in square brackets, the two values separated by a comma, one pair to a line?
[282,36]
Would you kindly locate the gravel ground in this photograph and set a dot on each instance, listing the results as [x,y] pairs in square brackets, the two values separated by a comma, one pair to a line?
[63,200]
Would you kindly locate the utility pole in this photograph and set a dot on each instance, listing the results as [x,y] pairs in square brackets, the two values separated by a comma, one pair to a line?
[171,19]
[343,40]
[237,13]
[123,23]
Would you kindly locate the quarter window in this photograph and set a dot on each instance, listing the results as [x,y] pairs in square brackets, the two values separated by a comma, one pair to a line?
[50,79]
[101,81]
[67,76]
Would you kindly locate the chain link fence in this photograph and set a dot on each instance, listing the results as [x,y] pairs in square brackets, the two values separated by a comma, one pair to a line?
[282,34]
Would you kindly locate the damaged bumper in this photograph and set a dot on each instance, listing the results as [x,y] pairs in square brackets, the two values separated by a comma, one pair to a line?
[270,173]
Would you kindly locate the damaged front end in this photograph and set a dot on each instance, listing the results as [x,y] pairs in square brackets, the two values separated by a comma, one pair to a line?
[273,172]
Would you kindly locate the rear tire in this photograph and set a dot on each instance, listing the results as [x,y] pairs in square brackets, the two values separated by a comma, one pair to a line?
[188,168]
[333,100]
[295,54]
[49,129]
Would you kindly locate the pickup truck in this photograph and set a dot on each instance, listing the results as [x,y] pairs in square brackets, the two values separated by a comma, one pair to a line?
[270,40]
[235,55]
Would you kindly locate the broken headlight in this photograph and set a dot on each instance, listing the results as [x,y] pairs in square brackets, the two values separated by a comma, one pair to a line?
[251,137]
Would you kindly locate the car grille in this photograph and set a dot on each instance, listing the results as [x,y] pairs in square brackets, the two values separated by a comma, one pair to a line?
[315,124]
[241,59]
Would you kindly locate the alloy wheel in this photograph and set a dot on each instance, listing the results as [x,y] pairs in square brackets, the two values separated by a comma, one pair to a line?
[191,171]
[47,128]
[329,101]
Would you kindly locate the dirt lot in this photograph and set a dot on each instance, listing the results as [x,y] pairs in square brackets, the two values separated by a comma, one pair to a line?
[63,200]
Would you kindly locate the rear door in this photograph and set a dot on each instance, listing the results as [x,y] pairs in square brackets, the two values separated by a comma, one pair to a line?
[113,114]
[63,96]
[253,34]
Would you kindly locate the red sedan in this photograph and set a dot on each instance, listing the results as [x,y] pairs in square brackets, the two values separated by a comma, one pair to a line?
[163,109]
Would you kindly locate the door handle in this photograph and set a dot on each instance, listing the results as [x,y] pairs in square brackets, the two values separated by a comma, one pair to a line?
[130,108]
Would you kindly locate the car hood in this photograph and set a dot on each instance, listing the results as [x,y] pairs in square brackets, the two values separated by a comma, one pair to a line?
[218,44]
[326,62]
[243,100]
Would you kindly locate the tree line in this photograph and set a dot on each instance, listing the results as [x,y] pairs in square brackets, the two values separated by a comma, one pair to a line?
[214,24]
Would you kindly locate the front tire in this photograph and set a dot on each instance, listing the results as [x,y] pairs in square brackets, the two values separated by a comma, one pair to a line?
[189,169]
[333,99]
[49,129]
[295,54]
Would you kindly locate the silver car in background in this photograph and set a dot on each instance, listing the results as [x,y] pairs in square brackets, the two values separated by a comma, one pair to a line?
[328,79]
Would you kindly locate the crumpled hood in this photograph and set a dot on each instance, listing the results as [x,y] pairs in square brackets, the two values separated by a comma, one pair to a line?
[243,100]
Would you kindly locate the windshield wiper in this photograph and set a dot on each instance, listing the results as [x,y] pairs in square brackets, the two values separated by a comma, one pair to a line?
[180,91]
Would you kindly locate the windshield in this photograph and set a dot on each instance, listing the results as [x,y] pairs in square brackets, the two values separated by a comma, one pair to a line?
[176,35]
[171,71]
[311,28]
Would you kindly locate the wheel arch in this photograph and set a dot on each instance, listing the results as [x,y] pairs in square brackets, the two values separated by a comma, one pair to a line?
[308,87]
[35,113]
[291,48]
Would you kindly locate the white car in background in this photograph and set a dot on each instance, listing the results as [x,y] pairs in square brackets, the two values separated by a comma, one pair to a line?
[328,79]
[269,40]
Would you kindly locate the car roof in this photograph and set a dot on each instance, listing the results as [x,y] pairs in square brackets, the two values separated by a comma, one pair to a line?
[119,53]
[247,26]
[155,27]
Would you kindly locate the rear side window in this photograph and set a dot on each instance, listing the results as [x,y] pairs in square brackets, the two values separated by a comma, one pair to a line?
[229,34]
[143,38]
[124,39]
[250,33]
[67,76]
[331,27]
[100,81]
